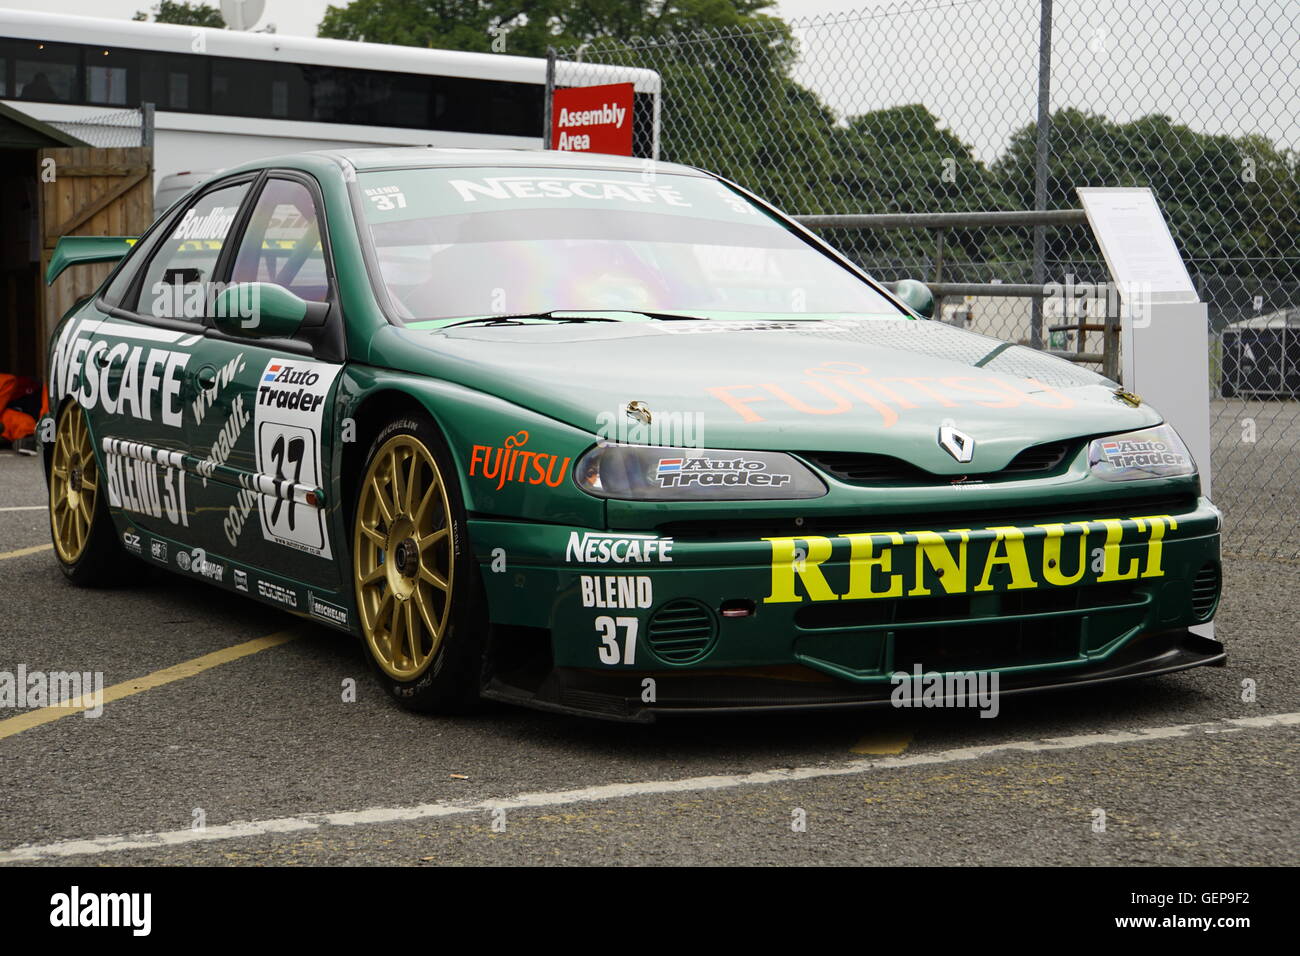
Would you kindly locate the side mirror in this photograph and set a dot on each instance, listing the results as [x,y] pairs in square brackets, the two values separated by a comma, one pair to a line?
[916,296]
[263,310]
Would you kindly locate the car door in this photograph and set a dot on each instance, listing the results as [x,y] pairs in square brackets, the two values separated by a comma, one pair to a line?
[262,414]
[128,362]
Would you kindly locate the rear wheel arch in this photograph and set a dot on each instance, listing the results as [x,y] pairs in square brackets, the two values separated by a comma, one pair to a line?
[47,447]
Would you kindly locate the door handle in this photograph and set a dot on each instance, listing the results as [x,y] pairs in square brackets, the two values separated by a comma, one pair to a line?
[206,377]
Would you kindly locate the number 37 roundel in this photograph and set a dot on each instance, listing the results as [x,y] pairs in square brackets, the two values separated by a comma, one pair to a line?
[289,416]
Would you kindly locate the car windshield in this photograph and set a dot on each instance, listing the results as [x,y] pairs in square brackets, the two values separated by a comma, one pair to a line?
[464,242]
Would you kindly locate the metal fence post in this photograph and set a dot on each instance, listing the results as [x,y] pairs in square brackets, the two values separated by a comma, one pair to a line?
[146,124]
[546,102]
[1041,154]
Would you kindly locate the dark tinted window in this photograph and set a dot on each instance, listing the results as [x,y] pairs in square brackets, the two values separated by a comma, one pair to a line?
[47,72]
[110,76]
[172,81]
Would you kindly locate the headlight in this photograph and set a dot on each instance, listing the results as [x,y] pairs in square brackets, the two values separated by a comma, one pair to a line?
[653,473]
[1150,453]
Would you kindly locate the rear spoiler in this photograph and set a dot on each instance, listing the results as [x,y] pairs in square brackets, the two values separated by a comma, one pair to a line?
[80,250]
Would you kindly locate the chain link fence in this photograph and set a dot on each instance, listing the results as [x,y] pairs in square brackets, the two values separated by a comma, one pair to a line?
[925,106]
[112,128]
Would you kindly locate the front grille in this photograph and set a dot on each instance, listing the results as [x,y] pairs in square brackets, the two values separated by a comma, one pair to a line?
[1113,506]
[865,468]
[1205,592]
[960,607]
[856,468]
[681,632]
[1041,459]
[988,646]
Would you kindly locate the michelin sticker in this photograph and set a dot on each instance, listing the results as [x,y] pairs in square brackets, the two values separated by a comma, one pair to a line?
[287,420]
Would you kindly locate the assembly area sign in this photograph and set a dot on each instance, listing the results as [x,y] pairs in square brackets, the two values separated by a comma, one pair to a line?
[593,119]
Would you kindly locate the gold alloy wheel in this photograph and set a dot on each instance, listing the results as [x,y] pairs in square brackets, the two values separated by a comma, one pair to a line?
[74,485]
[402,558]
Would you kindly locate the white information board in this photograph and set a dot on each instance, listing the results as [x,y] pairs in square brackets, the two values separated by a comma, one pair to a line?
[1136,242]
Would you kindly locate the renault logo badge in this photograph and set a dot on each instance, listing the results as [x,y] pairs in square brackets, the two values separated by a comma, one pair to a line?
[958,444]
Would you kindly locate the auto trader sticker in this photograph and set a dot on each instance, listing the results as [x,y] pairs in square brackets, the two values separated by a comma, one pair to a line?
[287,423]
[1001,553]
[1139,454]
[683,472]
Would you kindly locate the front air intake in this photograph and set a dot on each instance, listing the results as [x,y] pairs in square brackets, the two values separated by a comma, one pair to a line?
[1205,592]
[682,632]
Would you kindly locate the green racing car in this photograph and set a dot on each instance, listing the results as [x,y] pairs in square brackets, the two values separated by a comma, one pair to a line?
[605,436]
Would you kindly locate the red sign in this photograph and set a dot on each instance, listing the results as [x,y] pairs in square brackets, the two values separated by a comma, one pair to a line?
[593,119]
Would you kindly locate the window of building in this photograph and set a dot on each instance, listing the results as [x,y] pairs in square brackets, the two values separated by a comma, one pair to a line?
[107,75]
[48,72]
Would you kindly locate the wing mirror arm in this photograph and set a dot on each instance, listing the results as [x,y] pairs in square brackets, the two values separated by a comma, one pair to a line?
[318,314]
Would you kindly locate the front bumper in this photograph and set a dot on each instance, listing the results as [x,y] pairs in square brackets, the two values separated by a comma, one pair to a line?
[623,697]
[721,620]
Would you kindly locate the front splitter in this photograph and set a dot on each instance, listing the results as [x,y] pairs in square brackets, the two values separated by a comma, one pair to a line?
[621,696]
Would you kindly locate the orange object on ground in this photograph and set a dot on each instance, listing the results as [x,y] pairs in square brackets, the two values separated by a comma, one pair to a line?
[18,402]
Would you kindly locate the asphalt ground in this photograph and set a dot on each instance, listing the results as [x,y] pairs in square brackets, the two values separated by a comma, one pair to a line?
[1256,453]
[259,746]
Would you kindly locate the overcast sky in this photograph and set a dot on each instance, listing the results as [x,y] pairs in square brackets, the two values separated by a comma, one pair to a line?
[1220,68]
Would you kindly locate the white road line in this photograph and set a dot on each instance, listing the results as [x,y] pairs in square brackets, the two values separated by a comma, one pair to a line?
[26,508]
[620,791]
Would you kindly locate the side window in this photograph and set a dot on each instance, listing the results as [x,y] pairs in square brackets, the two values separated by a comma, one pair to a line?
[176,280]
[282,244]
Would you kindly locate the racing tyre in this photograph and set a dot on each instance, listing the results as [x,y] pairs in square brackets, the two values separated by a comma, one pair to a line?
[420,602]
[85,542]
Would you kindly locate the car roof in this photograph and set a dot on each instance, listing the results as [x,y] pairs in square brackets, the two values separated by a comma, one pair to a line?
[415,157]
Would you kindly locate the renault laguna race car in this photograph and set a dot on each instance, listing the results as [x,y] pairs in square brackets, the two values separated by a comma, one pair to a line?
[609,437]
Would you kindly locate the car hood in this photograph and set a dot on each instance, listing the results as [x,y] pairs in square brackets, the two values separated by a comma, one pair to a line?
[844,385]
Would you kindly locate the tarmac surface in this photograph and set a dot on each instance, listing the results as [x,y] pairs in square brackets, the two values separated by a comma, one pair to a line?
[239,753]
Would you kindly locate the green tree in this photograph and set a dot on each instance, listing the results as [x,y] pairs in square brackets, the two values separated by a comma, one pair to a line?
[900,160]
[1231,202]
[186,14]
[530,26]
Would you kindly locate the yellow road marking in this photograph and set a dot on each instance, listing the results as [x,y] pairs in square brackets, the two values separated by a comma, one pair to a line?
[894,742]
[46,715]
[21,551]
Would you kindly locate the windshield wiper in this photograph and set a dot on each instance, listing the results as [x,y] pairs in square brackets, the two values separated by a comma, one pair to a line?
[566,315]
